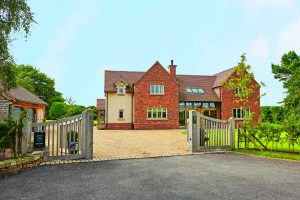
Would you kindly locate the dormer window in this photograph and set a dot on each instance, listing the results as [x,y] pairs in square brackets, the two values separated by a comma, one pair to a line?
[121,89]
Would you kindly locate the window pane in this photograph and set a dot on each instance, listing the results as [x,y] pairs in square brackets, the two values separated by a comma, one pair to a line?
[239,114]
[154,113]
[200,90]
[205,105]
[197,104]
[164,113]
[212,105]
[156,89]
[152,89]
[158,113]
[234,113]
[194,90]
[149,113]
[189,90]
[161,89]
[181,104]
[189,104]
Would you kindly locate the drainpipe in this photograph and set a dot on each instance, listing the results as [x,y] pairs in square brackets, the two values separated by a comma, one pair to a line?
[106,113]
[132,125]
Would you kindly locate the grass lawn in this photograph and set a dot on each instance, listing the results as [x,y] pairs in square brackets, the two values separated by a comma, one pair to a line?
[270,154]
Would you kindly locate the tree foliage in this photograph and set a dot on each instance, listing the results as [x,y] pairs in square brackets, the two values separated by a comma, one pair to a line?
[271,114]
[288,72]
[37,82]
[15,16]
[58,110]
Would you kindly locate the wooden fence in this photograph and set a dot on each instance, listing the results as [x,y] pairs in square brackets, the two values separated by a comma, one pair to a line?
[205,133]
[69,138]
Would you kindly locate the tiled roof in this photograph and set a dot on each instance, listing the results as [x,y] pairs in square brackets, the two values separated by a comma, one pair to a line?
[100,104]
[222,76]
[207,83]
[111,77]
[21,94]
[204,82]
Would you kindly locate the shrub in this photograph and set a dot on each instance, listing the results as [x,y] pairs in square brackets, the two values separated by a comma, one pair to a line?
[58,110]
[74,110]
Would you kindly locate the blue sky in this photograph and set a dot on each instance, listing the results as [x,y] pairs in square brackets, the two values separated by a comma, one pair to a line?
[76,40]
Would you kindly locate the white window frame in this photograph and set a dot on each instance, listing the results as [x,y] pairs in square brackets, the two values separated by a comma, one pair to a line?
[158,113]
[124,89]
[157,89]
[235,113]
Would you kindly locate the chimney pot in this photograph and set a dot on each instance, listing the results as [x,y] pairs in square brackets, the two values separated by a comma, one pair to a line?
[172,61]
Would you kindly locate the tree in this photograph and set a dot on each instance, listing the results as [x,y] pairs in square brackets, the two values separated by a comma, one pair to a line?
[243,82]
[58,110]
[288,72]
[15,16]
[37,82]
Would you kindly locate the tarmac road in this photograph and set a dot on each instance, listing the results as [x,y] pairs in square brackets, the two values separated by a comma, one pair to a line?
[208,176]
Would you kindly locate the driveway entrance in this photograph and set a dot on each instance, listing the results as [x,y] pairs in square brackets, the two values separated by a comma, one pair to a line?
[113,144]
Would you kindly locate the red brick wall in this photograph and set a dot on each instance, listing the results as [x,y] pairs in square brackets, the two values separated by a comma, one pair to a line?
[119,126]
[228,98]
[143,99]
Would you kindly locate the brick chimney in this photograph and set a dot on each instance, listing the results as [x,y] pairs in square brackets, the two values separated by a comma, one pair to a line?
[172,69]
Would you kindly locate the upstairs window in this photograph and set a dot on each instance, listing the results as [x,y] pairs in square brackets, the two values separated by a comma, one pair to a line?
[157,89]
[121,89]
[238,114]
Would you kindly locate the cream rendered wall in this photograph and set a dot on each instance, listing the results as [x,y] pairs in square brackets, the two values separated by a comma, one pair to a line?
[115,103]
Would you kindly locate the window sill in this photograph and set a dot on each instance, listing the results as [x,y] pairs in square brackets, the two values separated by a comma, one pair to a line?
[154,119]
[121,119]
[120,94]
[157,94]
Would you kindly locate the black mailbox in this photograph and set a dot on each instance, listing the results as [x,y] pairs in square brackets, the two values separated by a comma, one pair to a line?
[39,139]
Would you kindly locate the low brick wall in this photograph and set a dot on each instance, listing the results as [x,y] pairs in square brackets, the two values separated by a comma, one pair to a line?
[119,126]
[19,164]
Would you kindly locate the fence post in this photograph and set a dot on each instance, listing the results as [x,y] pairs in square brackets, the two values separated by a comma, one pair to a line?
[26,137]
[193,130]
[232,133]
[87,136]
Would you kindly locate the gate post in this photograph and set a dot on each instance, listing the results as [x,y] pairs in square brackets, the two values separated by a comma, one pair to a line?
[194,130]
[26,137]
[87,139]
[232,133]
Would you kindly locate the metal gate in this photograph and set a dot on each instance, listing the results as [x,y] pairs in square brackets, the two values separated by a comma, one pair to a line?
[206,133]
[64,139]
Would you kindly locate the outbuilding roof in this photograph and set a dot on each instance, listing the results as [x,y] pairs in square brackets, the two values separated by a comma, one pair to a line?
[21,94]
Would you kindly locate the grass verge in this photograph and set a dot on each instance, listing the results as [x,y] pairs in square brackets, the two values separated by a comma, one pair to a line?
[270,154]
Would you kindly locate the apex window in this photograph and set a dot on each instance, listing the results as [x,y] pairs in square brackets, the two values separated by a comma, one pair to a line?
[157,89]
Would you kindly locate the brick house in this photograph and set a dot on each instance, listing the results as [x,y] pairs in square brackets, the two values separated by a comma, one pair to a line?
[161,99]
[12,103]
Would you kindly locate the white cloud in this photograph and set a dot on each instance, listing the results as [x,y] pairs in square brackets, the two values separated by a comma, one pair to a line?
[258,49]
[289,38]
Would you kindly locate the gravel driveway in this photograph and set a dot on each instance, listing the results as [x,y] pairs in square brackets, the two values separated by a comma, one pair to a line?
[109,144]
[209,176]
